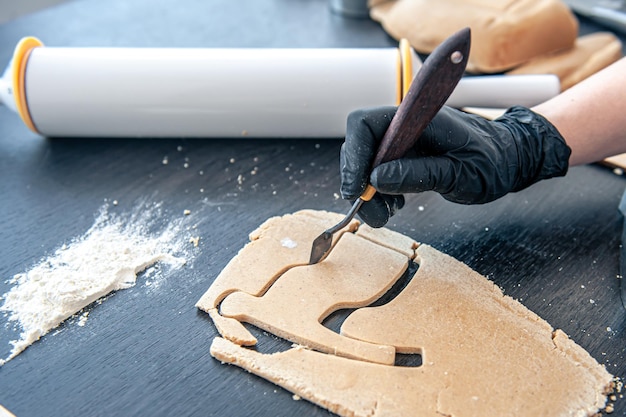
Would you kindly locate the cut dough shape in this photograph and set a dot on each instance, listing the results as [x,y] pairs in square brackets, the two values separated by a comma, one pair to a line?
[483,352]
[389,239]
[293,308]
[277,245]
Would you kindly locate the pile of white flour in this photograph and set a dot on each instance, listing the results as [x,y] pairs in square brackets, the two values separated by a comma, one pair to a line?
[106,258]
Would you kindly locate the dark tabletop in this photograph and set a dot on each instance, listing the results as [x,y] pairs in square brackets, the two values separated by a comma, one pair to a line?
[555,247]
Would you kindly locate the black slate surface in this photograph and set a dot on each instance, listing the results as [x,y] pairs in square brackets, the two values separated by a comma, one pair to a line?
[555,246]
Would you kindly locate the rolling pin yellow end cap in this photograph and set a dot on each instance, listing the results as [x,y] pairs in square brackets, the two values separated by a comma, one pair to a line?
[20,60]
[406,55]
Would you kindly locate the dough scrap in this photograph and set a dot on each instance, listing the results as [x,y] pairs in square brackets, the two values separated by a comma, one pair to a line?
[483,353]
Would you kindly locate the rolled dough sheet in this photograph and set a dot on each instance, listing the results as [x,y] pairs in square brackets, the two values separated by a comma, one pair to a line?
[483,353]
[505,33]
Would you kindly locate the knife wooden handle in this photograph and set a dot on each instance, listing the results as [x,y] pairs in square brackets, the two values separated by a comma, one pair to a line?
[429,90]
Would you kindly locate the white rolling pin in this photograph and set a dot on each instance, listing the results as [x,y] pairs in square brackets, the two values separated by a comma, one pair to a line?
[212,92]
[503,91]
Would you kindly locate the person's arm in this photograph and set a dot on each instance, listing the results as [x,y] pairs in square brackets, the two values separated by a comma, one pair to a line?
[471,160]
[591,115]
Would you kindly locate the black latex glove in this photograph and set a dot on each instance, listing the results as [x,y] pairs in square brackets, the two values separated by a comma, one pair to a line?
[466,158]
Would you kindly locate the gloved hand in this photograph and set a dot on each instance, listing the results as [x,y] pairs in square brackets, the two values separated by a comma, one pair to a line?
[466,158]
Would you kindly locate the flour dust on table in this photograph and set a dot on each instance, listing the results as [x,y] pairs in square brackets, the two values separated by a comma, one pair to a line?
[107,258]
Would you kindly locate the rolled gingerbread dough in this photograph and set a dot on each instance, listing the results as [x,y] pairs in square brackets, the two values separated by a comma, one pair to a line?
[483,353]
